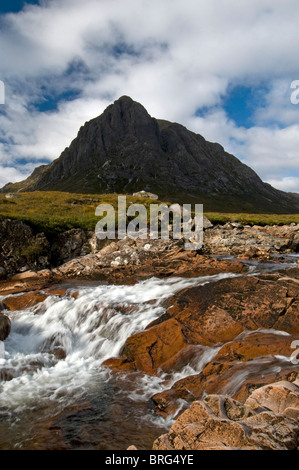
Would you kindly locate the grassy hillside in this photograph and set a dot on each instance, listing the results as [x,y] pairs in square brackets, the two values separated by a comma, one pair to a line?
[53,212]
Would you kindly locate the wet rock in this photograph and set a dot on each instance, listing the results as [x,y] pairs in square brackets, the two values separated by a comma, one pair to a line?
[6,375]
[251,360]
[254,344]
[236,380]
[21,302]
[149,350]
[217,313]
[220,423]
[5,327]
[58,352]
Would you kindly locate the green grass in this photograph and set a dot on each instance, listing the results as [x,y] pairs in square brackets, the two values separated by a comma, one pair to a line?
[54,212]
[253,219]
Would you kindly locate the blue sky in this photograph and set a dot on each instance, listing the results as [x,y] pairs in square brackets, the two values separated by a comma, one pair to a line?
[8,6]
[219,68]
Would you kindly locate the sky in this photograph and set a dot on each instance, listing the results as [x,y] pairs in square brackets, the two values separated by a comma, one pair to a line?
[224,69]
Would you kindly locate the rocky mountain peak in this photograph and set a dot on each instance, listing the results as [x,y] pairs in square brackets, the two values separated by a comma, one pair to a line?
[125,150]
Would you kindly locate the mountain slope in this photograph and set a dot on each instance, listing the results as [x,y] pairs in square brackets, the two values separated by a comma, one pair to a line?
[126,150]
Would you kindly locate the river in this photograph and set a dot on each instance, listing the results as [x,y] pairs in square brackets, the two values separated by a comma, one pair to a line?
[74,402]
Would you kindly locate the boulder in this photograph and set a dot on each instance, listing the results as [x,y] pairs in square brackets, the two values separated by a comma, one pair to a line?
[12,196]
[5,326]
[206,223]
[146,194]
[21,302]
[279,397]
[220,423]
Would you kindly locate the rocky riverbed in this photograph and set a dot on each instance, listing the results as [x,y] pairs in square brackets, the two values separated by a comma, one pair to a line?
[212,335]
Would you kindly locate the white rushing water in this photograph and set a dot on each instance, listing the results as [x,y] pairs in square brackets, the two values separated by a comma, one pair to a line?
[90,329]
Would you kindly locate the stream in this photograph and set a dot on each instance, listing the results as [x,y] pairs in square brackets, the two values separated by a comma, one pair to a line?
[55,394]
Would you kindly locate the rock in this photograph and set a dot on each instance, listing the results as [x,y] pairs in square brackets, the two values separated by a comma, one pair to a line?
[5,326]
[12,196]
[236,379]
[146,195]
[251,242]
[151,349]
[279,397]
[69,245]
[220,423]
[206,223]
[21,250]
[21,302]
[25,276]
[250,345]
[3,273]
[131,260]
[58,352]
[216,313]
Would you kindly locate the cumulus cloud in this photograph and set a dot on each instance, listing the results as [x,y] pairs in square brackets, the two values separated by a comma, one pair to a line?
[290,183]
[175,57]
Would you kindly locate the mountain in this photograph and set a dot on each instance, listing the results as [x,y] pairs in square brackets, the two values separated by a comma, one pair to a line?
[125,150]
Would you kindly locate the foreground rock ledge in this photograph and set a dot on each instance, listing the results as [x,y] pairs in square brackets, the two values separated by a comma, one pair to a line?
[268,420]
[213,314]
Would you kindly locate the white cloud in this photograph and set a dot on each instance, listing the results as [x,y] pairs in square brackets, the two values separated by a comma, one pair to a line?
[290,184]
[173,56]
[11,174]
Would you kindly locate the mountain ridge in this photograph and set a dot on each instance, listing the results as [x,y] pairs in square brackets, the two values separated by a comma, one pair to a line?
[125,150]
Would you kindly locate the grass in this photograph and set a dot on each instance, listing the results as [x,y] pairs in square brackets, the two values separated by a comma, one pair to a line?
[53,212]
[253,219]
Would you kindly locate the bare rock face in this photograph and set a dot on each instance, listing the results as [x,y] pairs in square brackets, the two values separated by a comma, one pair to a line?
[21,250]
[69,245]
[220,423]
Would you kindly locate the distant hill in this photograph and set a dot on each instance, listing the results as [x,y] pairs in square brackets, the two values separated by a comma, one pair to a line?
[125,150]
